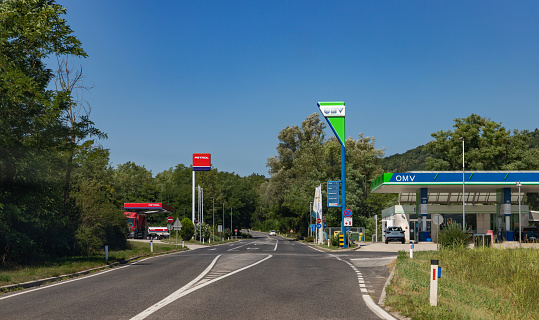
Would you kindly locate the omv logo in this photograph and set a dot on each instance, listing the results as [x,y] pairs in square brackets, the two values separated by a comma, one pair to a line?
[404,178]
[334,110]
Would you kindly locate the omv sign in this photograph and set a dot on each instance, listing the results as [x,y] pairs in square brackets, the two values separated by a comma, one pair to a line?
[404,177]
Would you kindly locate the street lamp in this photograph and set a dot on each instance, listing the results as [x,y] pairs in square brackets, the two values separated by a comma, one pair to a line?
[223,231]
[463,190]
[311,215]
[213,220]
[519,220]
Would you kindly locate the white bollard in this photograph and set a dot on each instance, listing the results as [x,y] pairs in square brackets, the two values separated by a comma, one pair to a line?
[183,244]
[106,253]
[411,250]
[434,283]
[151,246]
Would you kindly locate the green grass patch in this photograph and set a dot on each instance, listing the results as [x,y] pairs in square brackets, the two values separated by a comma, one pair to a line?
[475,284]
[46,268]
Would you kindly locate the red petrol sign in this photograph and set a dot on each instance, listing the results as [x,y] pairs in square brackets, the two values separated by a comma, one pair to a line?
[201,161]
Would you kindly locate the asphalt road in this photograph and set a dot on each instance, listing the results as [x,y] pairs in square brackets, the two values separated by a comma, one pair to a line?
[262,278]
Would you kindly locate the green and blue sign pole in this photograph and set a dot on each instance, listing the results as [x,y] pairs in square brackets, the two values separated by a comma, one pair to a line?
[334,112]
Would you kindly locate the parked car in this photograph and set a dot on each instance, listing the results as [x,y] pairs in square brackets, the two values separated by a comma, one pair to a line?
[272,233]
[394,234]
[529,234]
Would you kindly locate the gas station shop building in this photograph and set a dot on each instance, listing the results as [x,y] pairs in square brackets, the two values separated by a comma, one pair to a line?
[491,201]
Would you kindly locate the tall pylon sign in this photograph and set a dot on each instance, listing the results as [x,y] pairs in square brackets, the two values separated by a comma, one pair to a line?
[201,162]
[335,112]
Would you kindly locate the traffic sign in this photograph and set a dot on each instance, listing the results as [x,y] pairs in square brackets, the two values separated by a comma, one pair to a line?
[333,193]
[170,219]
[324,218]
[177,224]
[318,226]
[437,219]
[325,225]
[347,222]
[196,220]
[318,220]
[313,227]
[348,213]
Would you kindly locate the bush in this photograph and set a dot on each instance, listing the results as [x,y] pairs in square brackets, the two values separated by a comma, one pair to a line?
[335,241]
[309,239]
[188,229]
[452,236]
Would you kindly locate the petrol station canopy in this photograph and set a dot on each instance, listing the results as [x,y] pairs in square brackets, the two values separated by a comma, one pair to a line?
[148,208]
[445,187]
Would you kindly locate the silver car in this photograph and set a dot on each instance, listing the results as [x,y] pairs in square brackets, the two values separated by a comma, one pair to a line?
[394,234]
[272,233]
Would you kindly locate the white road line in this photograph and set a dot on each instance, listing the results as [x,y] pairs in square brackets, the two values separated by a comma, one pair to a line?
[376,309]
[384,258]
[185,290]
[240,246]
[175,295]
[276,243]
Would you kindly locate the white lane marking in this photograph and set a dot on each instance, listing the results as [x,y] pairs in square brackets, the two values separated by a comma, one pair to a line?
[276,243]
[240,246]
[75,279]
[175,295]
[375,308]
[383,258]
[185,290]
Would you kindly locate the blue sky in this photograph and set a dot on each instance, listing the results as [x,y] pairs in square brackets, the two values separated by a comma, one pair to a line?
[173,78]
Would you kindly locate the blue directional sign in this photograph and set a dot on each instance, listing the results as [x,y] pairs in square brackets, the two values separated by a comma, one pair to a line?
[318,226]
[333,194]
[313,227]
[325,225]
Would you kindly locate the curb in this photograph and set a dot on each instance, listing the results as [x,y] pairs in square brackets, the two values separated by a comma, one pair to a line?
[37,283]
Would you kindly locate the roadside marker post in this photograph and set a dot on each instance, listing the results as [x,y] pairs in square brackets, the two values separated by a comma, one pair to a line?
[411,249]
[434,275]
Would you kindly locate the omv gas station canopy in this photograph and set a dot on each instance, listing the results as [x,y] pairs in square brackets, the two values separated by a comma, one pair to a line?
[148,208]
[446,186]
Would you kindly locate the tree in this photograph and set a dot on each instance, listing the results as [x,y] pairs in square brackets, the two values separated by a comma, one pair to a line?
[101,219]
[188,229]
[134,183]
[487,146]
[76,116]
[33,221]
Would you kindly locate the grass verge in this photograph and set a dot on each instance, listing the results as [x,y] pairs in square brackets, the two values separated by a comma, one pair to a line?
[475,284]
[61,266]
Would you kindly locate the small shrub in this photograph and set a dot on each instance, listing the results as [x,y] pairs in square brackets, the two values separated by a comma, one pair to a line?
[5,277]
[452,236]
[309,239]
[188,229]
[335,241]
